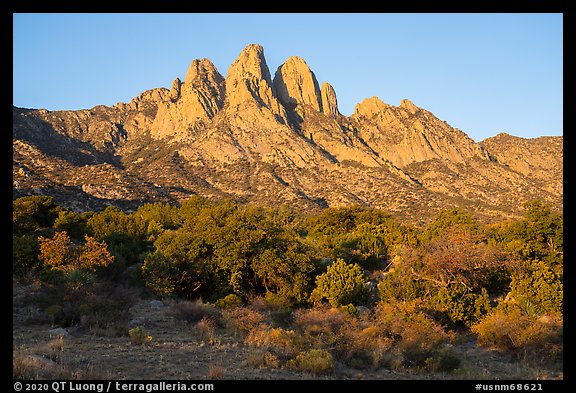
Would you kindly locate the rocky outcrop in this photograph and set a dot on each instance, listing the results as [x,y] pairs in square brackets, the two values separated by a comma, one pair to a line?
[249,86]
[408,134]
[195,101]
[329,101]
[148,98]
[296,84]
[175,90]
[408,105]
[370,107]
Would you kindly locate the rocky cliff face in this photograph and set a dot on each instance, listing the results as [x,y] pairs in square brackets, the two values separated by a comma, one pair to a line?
[190,104]
[296,84]
[275,141]
[249,92]
[329,101]
[408,134]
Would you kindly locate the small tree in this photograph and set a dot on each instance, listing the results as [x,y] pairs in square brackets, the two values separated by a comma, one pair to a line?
[55,253]
[342,284]
[58,254]
[93,255]
[537,289]
[24,254]
[160,273]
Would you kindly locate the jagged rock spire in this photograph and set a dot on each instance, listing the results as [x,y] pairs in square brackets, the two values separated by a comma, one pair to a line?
[296,84]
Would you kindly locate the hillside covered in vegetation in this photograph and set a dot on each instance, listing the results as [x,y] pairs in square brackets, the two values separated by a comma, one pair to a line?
[347,288]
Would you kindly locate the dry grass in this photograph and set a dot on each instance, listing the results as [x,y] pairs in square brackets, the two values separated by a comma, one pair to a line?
[243,319]
[322,320]
[284,343]
[514,332]
[216,372]
[56,346]
[51,361]
[365,348]
[206,328]
[263,358]
[314,361]
[191,311]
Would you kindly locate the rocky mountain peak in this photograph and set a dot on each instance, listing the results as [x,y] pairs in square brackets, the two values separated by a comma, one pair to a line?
[250,63]
[296,84]
[408,105]
[175,90]
[329,101]
[202,71]
[248,84]
[198,99]
[370,107]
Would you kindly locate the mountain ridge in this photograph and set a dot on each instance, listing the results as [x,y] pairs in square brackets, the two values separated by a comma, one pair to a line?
[270,140]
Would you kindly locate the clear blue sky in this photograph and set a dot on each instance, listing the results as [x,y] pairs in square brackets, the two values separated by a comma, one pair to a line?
[482,73]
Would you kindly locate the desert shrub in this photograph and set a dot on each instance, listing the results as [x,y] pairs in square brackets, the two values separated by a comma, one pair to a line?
[447,221]
[25,251]
[105,310]
[365,245]
[263,358]
[284,343]
[538,235]
[160,274]
[216,372]
[417,337]
[444,361]
[229,301]
[206,327]
[72,223]
[229,248]
[190,209]
[357,234]
[284,267]
[101,308]
[139,336]
[192,311]
[461,306]
[277,307]
[93,255]
[350,309]
[59,254]
[113,220]
[363,346]
[321,320]
[342,284]
[160,215]
[55,253]
[126,246]
[461,257]
[33,213]
[399,283]
[313,361]
[511,330]
[54,313]
[538,289]
[329,328]
[243,319]
[78,278]
[181,266]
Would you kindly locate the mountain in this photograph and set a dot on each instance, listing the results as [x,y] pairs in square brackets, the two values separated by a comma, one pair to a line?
[271,141]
